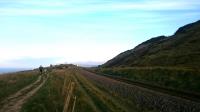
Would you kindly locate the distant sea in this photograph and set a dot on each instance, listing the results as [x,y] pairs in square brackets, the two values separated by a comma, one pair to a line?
[10,70]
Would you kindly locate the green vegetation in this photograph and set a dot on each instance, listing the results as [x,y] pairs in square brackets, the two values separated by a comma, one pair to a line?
[91,97]
[165,64]
[11,83]
[175,78]
[96,93]
[101,100]
[49,98]
[114,95]
[181,49]
[159,69]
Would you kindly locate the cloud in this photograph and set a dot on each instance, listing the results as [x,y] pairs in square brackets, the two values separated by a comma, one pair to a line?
[71,7]
[99,38]
[158,5]
[28,12]
[58,53]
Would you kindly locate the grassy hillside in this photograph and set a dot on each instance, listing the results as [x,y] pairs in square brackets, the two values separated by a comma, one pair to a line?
[181,49]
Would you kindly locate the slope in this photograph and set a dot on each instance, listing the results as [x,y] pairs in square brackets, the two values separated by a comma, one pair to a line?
[181,49]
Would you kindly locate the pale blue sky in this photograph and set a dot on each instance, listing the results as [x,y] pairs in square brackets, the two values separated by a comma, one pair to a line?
[35,32]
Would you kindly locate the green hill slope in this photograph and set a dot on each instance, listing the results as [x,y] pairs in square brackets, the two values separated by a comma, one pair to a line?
[181,49]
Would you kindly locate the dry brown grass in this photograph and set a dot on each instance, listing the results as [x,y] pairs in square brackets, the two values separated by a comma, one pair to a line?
[12,82]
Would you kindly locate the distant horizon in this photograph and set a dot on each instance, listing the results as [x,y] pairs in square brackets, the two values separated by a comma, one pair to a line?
[11,70]
[81,64]
[35,32]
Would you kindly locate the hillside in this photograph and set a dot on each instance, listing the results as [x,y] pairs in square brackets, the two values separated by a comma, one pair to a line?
[181,49]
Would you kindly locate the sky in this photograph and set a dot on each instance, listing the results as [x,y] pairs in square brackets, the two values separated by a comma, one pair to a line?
[43,32]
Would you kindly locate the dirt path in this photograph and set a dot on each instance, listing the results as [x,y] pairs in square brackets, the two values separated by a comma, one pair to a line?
[15,101]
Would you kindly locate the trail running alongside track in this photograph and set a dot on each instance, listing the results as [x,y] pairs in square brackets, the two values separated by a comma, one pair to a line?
[15,102]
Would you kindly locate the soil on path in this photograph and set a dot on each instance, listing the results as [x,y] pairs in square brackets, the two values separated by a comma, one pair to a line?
[15,102]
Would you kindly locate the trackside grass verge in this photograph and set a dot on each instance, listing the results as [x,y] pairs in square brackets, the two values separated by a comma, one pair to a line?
[114,94]
[181,79]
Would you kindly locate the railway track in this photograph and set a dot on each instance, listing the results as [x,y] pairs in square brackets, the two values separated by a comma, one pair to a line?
[147,96]
[182,94]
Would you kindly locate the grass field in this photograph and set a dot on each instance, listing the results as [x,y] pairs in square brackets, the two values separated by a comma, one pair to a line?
[90,97]
[11,83]
[95,93]
[49,97]
[113,94]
